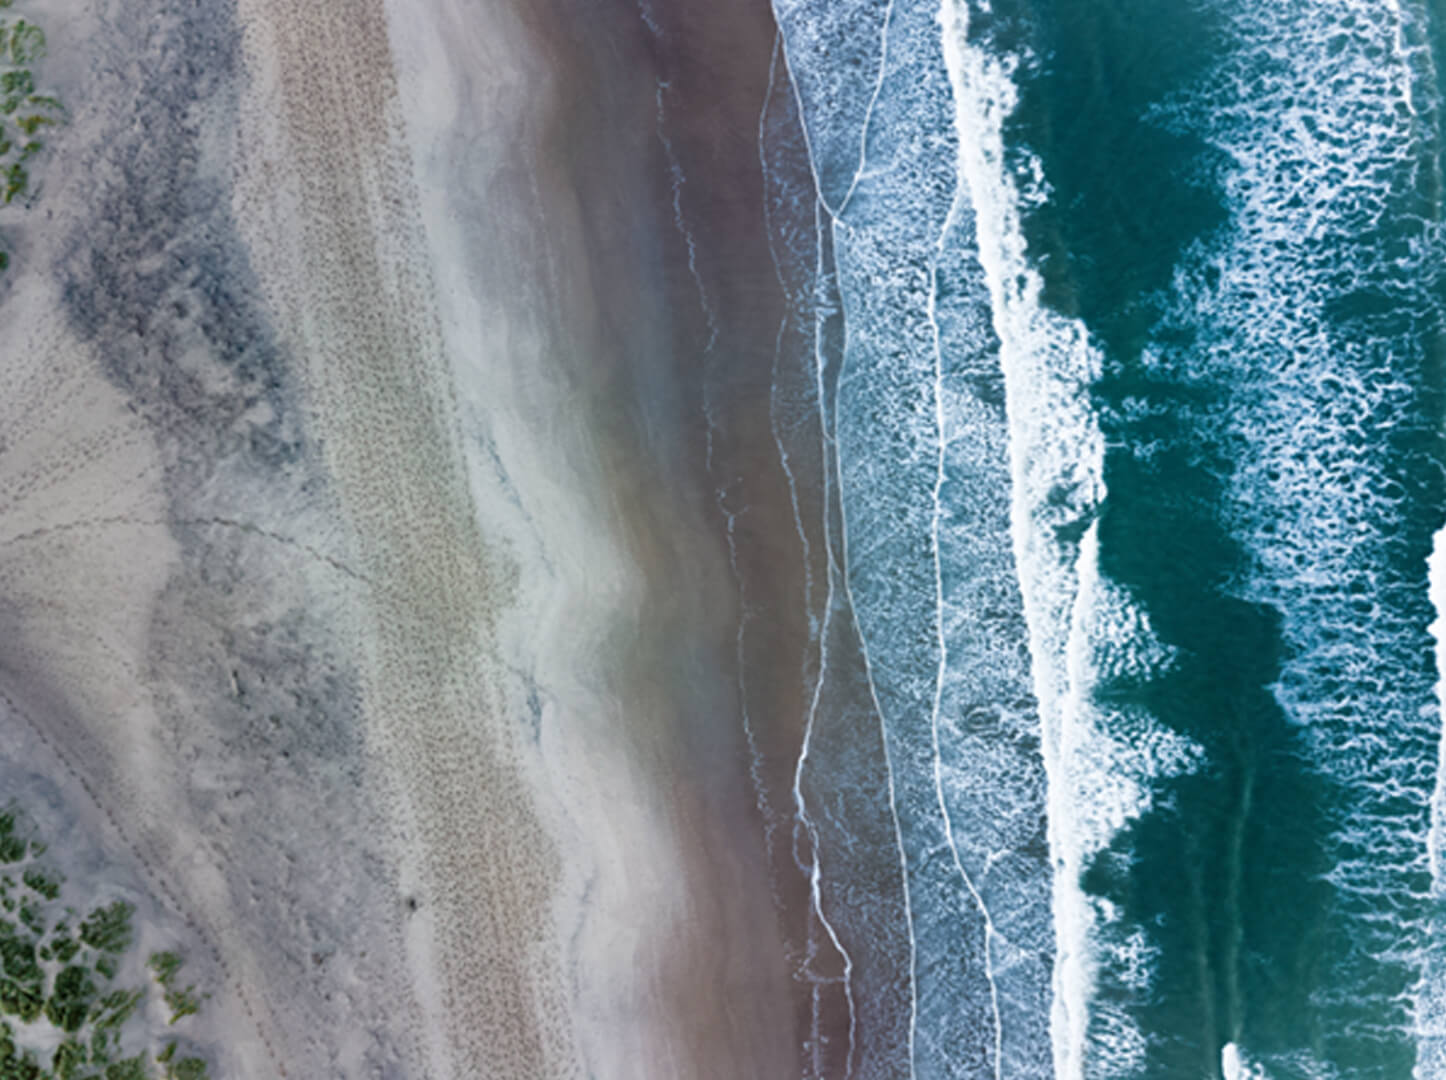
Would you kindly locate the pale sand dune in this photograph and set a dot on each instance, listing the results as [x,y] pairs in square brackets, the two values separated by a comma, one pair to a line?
[173,632]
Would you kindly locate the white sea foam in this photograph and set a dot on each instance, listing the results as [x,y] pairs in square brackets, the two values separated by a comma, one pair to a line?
[1431,1002]
[1110,760]
[940,620]
[1235,1066]
[790,255]
[1323,115]
[836,55]
[1081,627]
[1111,757]
[1046,362]
[887,458]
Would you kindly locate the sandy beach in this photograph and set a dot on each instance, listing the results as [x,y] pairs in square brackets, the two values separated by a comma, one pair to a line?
[367,600]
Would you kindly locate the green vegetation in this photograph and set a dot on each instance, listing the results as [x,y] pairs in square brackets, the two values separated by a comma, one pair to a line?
[15,87]
[116,1008]
[55,976]
[20,999]
[64,948]
[70,1001]
[27,43]
[43,883]
[12,847]
[182,1002]
[21,986]
[22,46]
[99,1048]
[165,965]
[109,928]
[132,1068]
[69,1059]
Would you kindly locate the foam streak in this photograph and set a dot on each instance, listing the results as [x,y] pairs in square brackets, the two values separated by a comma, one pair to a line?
[1056,458]
[943,669]
[811,864]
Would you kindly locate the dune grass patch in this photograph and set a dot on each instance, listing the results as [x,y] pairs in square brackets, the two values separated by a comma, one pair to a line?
[58,974]
[24,111]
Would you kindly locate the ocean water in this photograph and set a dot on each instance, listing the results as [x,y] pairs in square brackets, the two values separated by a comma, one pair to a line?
[1112,388]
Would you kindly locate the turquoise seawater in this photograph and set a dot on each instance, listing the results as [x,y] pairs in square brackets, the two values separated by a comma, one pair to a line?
[1134,453]
[1243,210]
